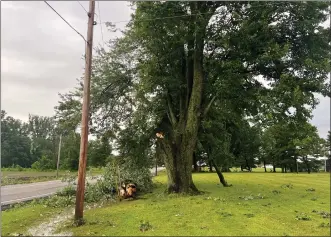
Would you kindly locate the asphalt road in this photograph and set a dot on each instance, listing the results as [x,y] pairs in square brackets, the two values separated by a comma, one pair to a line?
[11,194]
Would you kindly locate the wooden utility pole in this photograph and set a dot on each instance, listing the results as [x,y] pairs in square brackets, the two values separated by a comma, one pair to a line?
[58,157]
[85,117]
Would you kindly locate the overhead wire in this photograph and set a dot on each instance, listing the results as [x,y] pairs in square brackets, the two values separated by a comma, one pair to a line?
[158,18]
[82,6]
[66,21]
[170,17]
[96,49]
[101,24]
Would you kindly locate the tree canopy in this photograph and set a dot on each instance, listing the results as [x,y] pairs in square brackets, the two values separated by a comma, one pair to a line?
[215,73]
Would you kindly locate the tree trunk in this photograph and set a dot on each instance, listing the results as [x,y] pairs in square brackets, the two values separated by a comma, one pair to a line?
[274,168]
[305,160]
[181,180]
[195,165]
[179,171]
[265,168]
[225,169]
[210,167]
[220,175]
[180,144]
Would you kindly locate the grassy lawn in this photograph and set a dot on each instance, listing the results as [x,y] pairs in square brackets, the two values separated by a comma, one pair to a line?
[31,176]
[221,211]
[236,211]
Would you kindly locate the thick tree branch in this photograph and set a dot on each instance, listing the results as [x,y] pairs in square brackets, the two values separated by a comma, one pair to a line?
[208,107]
[170,112]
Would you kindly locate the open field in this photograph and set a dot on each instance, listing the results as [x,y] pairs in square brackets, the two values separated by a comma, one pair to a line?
[31,176]
[9,177]
[258,204]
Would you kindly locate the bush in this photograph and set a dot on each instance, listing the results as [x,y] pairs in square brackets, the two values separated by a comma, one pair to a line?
[43,164]
[67,191]
[13,168]
[19,168]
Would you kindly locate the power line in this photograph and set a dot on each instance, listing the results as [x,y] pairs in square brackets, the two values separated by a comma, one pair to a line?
[161,18]
[171,17]
[66,21]
[82,6]
[100,24]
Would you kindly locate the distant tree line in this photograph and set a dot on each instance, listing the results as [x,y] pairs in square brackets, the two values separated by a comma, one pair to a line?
[34,144]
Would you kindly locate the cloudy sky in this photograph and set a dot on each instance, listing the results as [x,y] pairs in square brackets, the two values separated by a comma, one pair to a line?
[41,55]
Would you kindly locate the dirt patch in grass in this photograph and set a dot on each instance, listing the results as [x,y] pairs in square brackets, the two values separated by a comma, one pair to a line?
[49,227]
[20,219]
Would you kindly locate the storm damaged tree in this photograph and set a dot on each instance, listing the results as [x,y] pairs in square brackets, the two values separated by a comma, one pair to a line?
[176,61]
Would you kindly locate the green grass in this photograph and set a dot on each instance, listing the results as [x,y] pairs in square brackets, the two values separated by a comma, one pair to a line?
[9,177]
[19,220]
[237,169]
[221,211]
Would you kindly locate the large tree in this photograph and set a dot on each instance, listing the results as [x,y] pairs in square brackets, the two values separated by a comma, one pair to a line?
[44,135]
[177,60]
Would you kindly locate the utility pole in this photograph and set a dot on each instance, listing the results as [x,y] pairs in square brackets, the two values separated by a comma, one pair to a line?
[58,157]
[85,117]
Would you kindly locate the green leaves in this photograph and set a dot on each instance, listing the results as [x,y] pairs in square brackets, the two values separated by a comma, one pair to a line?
[262,61]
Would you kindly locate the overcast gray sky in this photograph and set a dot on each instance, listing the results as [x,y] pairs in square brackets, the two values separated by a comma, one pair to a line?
[42,56]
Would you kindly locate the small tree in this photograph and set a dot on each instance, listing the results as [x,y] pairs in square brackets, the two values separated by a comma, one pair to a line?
[45,163]
[309,145]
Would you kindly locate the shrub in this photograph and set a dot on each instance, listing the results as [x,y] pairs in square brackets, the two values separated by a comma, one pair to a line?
[19,168]
[43,164]
[67,191]
[13,168]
